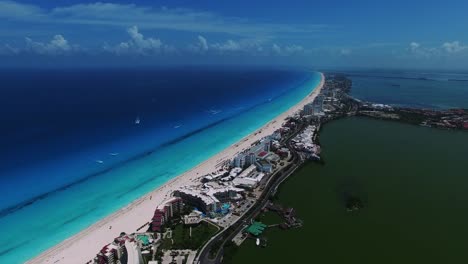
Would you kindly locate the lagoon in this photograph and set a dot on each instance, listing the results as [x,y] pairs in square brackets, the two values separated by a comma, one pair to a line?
[412,181]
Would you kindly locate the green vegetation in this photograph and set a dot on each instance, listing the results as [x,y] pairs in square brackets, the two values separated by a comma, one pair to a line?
[187,209]
[166,244]
[410,117]
[147,258]
[181,238]
[159,255]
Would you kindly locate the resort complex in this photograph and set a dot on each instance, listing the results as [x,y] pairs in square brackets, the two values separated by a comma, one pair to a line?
[226,132]
[220,199]
[193,214]
[197,218]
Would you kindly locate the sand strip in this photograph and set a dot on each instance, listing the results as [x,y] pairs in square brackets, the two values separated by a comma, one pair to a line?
[84,246]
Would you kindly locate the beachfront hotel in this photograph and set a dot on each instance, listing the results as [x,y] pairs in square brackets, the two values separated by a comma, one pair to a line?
[315,108]
[213,198]
[193,218]
[165,211]
[128,249]
[210,197]
[250,156]
[249,179]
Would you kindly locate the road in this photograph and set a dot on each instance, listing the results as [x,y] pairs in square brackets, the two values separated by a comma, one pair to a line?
[228,234]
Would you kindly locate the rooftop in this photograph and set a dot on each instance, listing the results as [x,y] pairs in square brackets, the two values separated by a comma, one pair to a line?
[256,228]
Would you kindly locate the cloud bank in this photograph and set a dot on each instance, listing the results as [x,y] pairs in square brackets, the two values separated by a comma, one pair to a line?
[124,15]
[58,45]
[139,45]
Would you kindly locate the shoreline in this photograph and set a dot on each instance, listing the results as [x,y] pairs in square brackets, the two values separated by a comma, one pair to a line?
[83,246]
[246,253]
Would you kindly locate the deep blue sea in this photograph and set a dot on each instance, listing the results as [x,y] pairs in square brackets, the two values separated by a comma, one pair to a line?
[72,152]
[429,89]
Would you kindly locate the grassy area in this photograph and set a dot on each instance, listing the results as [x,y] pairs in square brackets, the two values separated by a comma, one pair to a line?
[147,258]
[181,236]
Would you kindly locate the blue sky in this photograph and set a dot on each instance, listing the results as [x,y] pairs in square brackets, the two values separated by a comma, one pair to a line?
[409,34]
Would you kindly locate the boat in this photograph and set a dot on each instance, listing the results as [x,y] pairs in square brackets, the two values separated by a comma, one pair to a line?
[100,161]
[113,153]
[257,242]
[177,126]
[137,120]
[214,111]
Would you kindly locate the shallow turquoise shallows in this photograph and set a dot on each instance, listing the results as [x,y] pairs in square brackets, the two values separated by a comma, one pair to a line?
[33,229]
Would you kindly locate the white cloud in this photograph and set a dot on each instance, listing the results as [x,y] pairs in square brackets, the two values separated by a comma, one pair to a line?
[229,45]
[244,45]
[6,49]
[201,46]
[294,49]
[110,14]
[138,40]
[139,45]
[414,46]
[276,48]
[419,50]
[345,52]
[453,47]
[58,45]
[12,10]
[445,49]
[287,50]
[203,43]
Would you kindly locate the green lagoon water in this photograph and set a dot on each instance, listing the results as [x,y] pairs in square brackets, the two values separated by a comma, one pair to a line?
[414,183]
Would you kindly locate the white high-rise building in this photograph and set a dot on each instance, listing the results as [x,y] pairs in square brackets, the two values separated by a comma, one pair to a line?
[133,253]
[308,109]
[250,159]
[239,161]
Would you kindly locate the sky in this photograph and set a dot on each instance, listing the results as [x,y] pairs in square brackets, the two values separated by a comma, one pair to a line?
[333,33]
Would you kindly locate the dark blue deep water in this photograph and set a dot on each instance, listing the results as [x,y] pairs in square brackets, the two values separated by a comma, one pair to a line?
[72,152]
[71,111]
[48,115]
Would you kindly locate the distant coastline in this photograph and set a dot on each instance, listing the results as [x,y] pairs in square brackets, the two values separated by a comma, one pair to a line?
[341,108]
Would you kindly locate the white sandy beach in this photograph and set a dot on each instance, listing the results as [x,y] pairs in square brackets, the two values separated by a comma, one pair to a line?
[84,246]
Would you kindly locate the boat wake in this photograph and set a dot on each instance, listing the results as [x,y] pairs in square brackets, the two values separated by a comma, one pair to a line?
[213,111]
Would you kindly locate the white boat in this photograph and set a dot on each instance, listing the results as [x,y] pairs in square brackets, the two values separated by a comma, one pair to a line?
[257,242]
[214,111]
[137,120]
[177,126]
[113,153]
[100,161]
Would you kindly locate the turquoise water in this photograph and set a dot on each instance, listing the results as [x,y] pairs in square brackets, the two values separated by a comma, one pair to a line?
[35,228]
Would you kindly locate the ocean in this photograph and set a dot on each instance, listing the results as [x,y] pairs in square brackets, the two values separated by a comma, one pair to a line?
[80,144]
